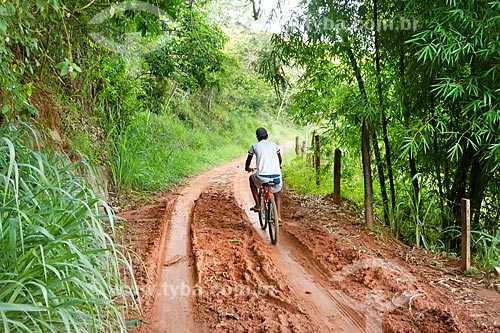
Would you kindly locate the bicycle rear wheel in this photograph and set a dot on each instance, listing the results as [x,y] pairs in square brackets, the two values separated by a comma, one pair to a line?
[262,213]
[272,220]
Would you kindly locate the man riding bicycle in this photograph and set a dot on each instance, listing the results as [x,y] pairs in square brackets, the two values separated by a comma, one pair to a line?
[268,161]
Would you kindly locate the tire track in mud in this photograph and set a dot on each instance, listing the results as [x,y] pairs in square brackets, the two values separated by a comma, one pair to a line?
[307,280]
[172,309]
[322,281]
[240,286]
[301,288]
[321,276]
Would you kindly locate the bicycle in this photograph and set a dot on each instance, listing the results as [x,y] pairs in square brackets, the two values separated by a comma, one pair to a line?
[268,214]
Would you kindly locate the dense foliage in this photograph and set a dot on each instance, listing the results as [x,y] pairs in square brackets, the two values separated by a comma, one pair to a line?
[93,72]
[422,75]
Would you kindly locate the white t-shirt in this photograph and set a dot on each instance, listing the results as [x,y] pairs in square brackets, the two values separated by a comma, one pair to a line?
[267,161]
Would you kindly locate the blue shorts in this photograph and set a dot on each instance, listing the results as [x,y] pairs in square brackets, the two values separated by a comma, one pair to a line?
[259,180]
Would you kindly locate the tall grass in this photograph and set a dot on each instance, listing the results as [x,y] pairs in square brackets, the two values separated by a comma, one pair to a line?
[418,218]
[156,151]
[60,269]
[301,176]
[486,248]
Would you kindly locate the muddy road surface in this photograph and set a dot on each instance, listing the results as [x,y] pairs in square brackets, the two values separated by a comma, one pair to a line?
[204,265]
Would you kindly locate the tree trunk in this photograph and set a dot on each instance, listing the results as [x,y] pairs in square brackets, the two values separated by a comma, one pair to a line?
[479,178]
[437,155]
[388,161]
[365,149]
[413,175]
[317,160]
[365,141]
[384,123]
[457,192]
[381,177]
[402,93]
[336,175]
[478,182]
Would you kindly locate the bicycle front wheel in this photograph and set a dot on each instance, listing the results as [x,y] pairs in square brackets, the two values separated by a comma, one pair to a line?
[272,220]
[262,217]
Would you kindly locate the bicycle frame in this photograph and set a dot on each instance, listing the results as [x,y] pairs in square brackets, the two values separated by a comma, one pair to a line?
[267,192]
[268,215]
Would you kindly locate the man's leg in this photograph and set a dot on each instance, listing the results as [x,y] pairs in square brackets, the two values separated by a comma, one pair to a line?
[277,199]
[255,194]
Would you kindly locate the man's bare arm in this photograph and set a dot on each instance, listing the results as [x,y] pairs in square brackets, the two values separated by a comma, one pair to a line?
[247,162]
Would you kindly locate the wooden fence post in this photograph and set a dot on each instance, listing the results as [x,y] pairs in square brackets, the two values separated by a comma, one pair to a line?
[297,150]
[310,157]
[465,214]
[336,176]
[317,161]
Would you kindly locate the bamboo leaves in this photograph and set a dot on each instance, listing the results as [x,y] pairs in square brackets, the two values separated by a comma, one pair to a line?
[433,88]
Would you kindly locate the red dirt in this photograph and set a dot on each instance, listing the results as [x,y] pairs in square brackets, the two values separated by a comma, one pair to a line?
[145,229]
[203,265]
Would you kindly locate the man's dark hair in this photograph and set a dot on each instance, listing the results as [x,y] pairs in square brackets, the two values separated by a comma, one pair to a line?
[261,133]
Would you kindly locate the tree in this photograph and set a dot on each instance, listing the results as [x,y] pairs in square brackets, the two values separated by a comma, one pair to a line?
[458,46]
[313,43]
[427,84]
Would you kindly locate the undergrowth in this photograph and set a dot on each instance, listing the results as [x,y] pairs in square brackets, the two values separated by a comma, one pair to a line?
[417,218]
[157,151]
[61,271]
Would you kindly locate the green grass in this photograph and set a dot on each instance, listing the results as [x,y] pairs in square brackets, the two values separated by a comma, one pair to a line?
[156,151]
[61,270]
[486,248]
[301,176]
[418,217]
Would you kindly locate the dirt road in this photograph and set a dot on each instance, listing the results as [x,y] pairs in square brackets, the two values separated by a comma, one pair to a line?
[219,272]
[305,287]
